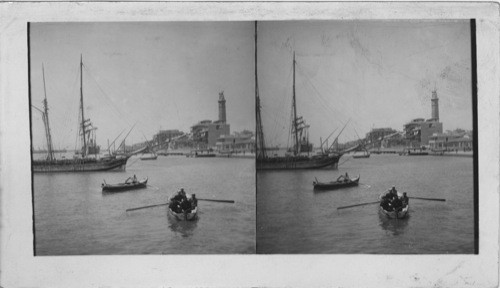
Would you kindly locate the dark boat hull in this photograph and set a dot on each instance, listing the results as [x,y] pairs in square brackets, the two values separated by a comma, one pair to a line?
[125,186]
[296,163]
[79,165]
[204,155]
[361,156]
[417,153]
[145,158]
[335,185]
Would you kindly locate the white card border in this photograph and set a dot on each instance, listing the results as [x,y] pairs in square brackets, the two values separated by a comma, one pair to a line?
[20,269]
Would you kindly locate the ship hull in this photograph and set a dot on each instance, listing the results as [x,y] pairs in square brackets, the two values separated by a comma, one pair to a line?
[79,165]
[297,163]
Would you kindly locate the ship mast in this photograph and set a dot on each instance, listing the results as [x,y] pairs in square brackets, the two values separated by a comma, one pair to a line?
[45,115]
[296,149]
[260,145]
[84,148]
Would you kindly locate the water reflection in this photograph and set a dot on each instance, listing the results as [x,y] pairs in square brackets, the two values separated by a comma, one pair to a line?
[395,226]
[184,228]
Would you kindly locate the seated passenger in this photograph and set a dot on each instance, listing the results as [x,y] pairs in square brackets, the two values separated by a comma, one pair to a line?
[397,204]
[180,196]
[186,206]
[392,194]
[175,206]
[388,195]
[194,200]
[405,200]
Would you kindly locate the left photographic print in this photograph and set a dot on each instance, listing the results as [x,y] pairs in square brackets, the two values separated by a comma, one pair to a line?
[142,138]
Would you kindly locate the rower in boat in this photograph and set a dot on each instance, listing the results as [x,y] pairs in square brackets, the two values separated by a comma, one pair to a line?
[177,200]
[343,178]
[388,199]
[132,180]
[405,199]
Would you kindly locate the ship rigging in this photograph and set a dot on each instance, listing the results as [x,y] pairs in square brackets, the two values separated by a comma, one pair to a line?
[297,160]
[82,162]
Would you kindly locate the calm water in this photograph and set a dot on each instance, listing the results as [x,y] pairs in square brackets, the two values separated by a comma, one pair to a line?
[73,216]
[292,218]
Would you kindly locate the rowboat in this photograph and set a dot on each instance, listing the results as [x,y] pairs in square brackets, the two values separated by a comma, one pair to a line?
[394,214]
[152,156]
[124,186]
[335,184]
[184,215]
[364,154]
[417,153]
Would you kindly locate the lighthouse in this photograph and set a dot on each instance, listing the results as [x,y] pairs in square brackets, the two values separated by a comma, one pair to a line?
[222,108]
[435,106]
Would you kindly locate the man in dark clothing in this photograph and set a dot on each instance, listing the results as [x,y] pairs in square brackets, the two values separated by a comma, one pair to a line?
[181,195]
[391,194]
[385,204]
[405,200]
[194,201]
[186,206]
[175,206]
[397,204]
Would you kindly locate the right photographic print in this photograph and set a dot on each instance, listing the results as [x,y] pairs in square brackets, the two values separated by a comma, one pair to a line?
[365,137]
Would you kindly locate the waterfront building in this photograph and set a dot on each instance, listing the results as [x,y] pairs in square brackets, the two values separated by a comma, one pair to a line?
[418,131]
[205,133]
[238,142]
[456,140]
[393,140]
[376,136]
[162,138]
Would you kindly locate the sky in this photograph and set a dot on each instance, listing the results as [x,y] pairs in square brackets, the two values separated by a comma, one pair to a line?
[372,74]
[157,75]
[167,75]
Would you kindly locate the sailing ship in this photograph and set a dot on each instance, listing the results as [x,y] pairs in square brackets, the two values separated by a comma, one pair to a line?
[298,156]
[85,160]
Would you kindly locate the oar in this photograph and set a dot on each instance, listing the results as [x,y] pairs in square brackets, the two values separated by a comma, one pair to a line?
[366,185]
[430,199]
[216,200]
[144,207]
[344,207]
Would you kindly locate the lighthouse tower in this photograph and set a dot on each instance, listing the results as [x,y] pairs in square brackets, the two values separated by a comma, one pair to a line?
[435,106]
[222,108]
